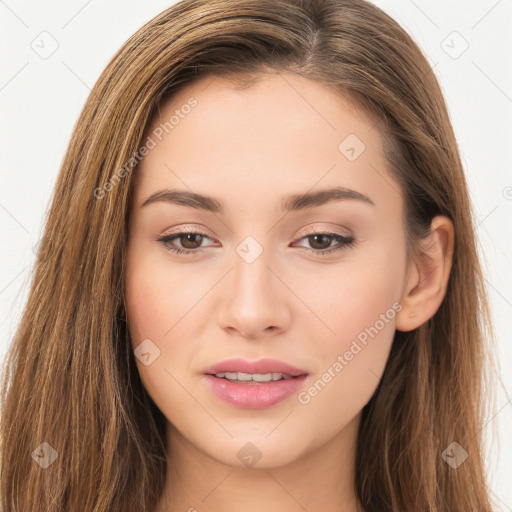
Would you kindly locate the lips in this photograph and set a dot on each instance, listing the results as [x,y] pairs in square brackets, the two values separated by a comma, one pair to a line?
[250,394]
[262,366]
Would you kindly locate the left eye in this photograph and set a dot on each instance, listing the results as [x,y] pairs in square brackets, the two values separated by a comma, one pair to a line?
[191,242]
[319,239]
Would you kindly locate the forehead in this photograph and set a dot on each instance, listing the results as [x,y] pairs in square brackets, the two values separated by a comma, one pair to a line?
[282,133]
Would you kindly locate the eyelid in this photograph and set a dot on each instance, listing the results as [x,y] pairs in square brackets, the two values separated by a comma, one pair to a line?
[186,229]
[308,231]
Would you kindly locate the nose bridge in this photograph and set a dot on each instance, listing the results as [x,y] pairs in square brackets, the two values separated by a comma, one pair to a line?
[252,277]
[254,301]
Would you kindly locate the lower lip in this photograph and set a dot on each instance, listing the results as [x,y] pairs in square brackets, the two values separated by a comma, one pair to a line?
[254,396]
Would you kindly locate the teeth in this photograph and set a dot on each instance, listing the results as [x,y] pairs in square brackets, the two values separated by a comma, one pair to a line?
[257,377]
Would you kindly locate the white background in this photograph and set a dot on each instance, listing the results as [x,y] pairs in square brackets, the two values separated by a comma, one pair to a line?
[40,100]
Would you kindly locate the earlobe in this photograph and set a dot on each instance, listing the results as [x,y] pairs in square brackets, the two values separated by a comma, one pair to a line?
[428,275]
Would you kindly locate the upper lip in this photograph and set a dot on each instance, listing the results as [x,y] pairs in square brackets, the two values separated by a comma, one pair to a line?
[265,365]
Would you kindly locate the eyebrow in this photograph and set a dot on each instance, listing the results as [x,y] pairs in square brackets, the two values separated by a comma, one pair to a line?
[292,202]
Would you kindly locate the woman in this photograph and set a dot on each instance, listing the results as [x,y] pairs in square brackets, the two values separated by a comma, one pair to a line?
[258,283]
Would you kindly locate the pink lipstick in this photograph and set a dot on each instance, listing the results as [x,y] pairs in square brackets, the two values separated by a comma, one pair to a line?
[254,384]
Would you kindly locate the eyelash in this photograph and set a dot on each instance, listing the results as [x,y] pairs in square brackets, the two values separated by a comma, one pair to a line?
[344,241]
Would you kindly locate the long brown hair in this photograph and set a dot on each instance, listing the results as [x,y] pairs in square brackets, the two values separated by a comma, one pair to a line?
[70,378]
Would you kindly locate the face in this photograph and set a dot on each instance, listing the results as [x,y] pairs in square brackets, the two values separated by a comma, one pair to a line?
[271,266]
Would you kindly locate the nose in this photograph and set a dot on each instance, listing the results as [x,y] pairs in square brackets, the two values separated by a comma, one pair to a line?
[256,300]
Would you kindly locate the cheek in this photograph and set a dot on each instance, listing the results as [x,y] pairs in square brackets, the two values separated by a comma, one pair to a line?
[352,298]
[153,308]
[157,299]
[156,309]
[359,302]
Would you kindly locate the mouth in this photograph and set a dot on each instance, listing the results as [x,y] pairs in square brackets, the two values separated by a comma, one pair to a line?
[254,385]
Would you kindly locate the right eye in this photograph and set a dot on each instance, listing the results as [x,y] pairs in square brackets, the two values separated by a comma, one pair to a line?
[188,239]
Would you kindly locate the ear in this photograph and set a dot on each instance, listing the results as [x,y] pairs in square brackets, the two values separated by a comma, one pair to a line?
[427,276]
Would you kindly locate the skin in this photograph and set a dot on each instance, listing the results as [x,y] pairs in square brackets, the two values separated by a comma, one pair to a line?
[248,149]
